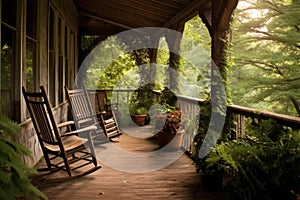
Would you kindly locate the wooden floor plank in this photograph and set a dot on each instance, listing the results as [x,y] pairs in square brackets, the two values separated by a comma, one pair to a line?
[178,180]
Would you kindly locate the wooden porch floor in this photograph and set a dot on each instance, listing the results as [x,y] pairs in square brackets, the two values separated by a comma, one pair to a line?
[178,180]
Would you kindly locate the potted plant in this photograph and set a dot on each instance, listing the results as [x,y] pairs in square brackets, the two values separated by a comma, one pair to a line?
[140,102]
[138,115]
[169,127]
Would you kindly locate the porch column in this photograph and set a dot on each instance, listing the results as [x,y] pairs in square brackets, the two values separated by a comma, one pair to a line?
[217,21]
[153,59]
[174,60]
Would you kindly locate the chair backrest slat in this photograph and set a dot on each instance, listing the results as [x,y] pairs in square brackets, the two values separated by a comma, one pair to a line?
[101,100]
[81,107]
[42,117]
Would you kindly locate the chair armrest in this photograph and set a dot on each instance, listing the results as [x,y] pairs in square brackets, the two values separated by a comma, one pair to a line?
[101,113]
[82,130]
[63,124]
[84,121]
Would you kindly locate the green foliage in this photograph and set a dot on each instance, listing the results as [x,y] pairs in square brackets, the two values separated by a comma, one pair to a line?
[195,76]
[259,166]
[167,97]
[266,55]
[7,76]
[134,110]
[109,65]
[14,174]
[141,100]
[205,124]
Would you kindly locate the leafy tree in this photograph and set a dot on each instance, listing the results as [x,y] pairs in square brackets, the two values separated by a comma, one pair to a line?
[104,71]
[195,77]
[266,42]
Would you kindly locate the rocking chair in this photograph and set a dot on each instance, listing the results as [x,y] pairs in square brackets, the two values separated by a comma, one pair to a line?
[54,141]
[83,113]
[103,105]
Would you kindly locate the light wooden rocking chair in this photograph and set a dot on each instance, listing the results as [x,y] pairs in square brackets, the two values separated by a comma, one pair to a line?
[54,142]
[83,113]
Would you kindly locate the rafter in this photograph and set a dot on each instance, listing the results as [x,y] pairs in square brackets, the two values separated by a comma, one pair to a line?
[106,20]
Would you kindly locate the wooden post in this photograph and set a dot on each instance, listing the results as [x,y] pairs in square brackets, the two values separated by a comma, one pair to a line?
[174,47]
[222,11]
[217,22]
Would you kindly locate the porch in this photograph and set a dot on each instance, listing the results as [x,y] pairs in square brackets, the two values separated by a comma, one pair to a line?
[46,51]
[125,178]
[179,180]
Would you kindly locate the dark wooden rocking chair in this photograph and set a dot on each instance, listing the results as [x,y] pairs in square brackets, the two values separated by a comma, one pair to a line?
[103,105]
[54,142]
[84,113]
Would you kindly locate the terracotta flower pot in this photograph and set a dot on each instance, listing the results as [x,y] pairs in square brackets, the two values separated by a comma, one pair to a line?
[169,139]
[139,119]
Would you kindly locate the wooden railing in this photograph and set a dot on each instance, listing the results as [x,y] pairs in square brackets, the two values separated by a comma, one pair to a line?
[118,95]
[242,113]
[191,108]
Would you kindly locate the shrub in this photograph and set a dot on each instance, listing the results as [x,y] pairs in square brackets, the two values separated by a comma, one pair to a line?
[14,174]
[262,165]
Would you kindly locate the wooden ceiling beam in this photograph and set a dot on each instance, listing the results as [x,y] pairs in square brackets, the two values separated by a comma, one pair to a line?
[191,9]
[158,10]
[166,4]
[183,15]
[133,13]
[106,20]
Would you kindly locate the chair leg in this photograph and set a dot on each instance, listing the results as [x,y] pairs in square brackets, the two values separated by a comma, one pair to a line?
[94,160]
[92,148]
[74,156]
[67,166]
[47,159]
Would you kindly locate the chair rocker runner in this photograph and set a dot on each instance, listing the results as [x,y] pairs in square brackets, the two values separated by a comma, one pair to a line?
[84,114]
[53,140]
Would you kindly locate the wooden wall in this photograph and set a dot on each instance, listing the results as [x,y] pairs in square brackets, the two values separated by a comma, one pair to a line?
[67,12]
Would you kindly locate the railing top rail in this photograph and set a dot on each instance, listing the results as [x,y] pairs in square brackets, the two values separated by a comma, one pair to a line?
[111,90]
[287,120]
[282,118]
[190,99]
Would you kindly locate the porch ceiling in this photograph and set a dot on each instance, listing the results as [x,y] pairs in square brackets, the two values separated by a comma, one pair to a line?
[107,17]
